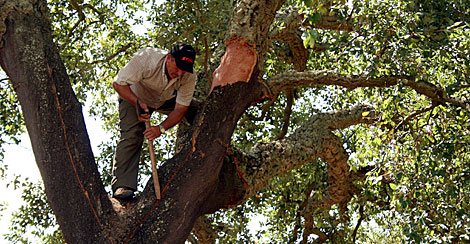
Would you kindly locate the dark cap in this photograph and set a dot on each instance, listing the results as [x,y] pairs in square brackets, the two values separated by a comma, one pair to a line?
[184,56]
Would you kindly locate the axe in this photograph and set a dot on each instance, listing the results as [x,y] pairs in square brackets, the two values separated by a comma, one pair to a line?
[156,185]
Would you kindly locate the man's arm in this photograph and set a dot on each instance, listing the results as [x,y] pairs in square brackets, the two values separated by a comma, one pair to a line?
[126,93]
[173,118]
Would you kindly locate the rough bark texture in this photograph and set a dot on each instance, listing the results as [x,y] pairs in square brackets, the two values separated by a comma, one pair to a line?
[204,231]
[251,21]
[293,37]
[314,139]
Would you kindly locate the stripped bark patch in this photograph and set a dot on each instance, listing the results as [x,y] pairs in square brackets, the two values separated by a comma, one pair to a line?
[236,65]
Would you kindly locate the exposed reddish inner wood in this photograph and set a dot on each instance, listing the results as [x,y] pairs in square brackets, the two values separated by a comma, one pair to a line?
[236,65]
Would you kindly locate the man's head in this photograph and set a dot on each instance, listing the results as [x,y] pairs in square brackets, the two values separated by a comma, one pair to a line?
[184,56]
[180,61]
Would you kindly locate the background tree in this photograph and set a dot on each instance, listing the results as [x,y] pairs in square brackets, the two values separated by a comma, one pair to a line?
[353,127]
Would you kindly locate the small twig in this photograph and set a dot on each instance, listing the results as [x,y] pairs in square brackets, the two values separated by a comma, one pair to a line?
[79,35]
[77,7]
[122,49]
[74,27]
[296,227]
[264,111]
[266,108]
[206,46]
[416,113]
[80,19]
[361,218]
[287,113]
[402,136]
[92,8]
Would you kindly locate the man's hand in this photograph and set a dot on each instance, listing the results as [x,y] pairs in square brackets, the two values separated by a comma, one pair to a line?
[152,133]
[143,112]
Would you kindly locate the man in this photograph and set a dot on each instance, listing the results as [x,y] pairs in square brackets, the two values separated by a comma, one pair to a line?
[152,80]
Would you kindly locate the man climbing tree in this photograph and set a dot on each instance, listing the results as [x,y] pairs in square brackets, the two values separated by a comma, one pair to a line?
[153,80]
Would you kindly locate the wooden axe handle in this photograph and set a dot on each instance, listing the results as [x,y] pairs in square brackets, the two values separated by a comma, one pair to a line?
[156,184]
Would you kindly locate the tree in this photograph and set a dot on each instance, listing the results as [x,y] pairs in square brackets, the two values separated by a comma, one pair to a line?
[387,141]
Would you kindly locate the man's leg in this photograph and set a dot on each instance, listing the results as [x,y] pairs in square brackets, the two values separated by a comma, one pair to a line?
[129,147]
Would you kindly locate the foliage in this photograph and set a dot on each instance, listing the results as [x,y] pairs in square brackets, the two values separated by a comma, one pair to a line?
[35,218]
[416,188]
[11,119]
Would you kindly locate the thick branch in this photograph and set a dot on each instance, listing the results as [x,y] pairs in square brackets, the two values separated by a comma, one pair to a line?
[54,120]
[331,23]
[322,237]
[290,79]
[203,231]
[192,239]
[437,94]
[292,20]
[296,46]
[291,35]
[251,20]
[287,113]
[314,139]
